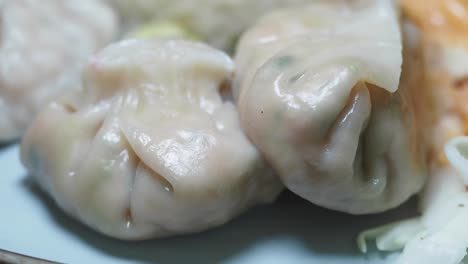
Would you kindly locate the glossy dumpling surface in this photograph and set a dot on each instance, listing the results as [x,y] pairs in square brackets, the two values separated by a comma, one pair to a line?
[318,93]
[148,148]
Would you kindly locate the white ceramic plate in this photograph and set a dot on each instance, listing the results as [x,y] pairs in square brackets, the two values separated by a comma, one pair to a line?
[291,231]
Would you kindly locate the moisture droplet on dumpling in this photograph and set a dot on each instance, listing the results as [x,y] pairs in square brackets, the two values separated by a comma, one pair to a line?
[148,148]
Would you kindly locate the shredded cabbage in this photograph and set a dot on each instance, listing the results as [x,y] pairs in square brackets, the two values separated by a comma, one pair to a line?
[457,153]
[440,235]
[391,237]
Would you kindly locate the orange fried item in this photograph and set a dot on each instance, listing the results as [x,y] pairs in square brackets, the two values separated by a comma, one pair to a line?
[442,50]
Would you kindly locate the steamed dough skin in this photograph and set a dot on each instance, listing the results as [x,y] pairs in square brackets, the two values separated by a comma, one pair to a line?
[317,92]
[43,45]
[218,22]
[148,148]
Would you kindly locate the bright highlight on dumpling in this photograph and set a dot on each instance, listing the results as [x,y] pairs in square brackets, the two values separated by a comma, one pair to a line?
[320,98]
[148,148]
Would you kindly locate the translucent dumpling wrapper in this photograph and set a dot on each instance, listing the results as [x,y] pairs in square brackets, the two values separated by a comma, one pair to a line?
[43,45]
[437,44]
[148,148]
[219,23]
[320,97]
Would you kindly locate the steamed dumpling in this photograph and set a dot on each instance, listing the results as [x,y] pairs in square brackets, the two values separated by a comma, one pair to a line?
[43,44]
[218,22]
[318,93]
[148,148]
